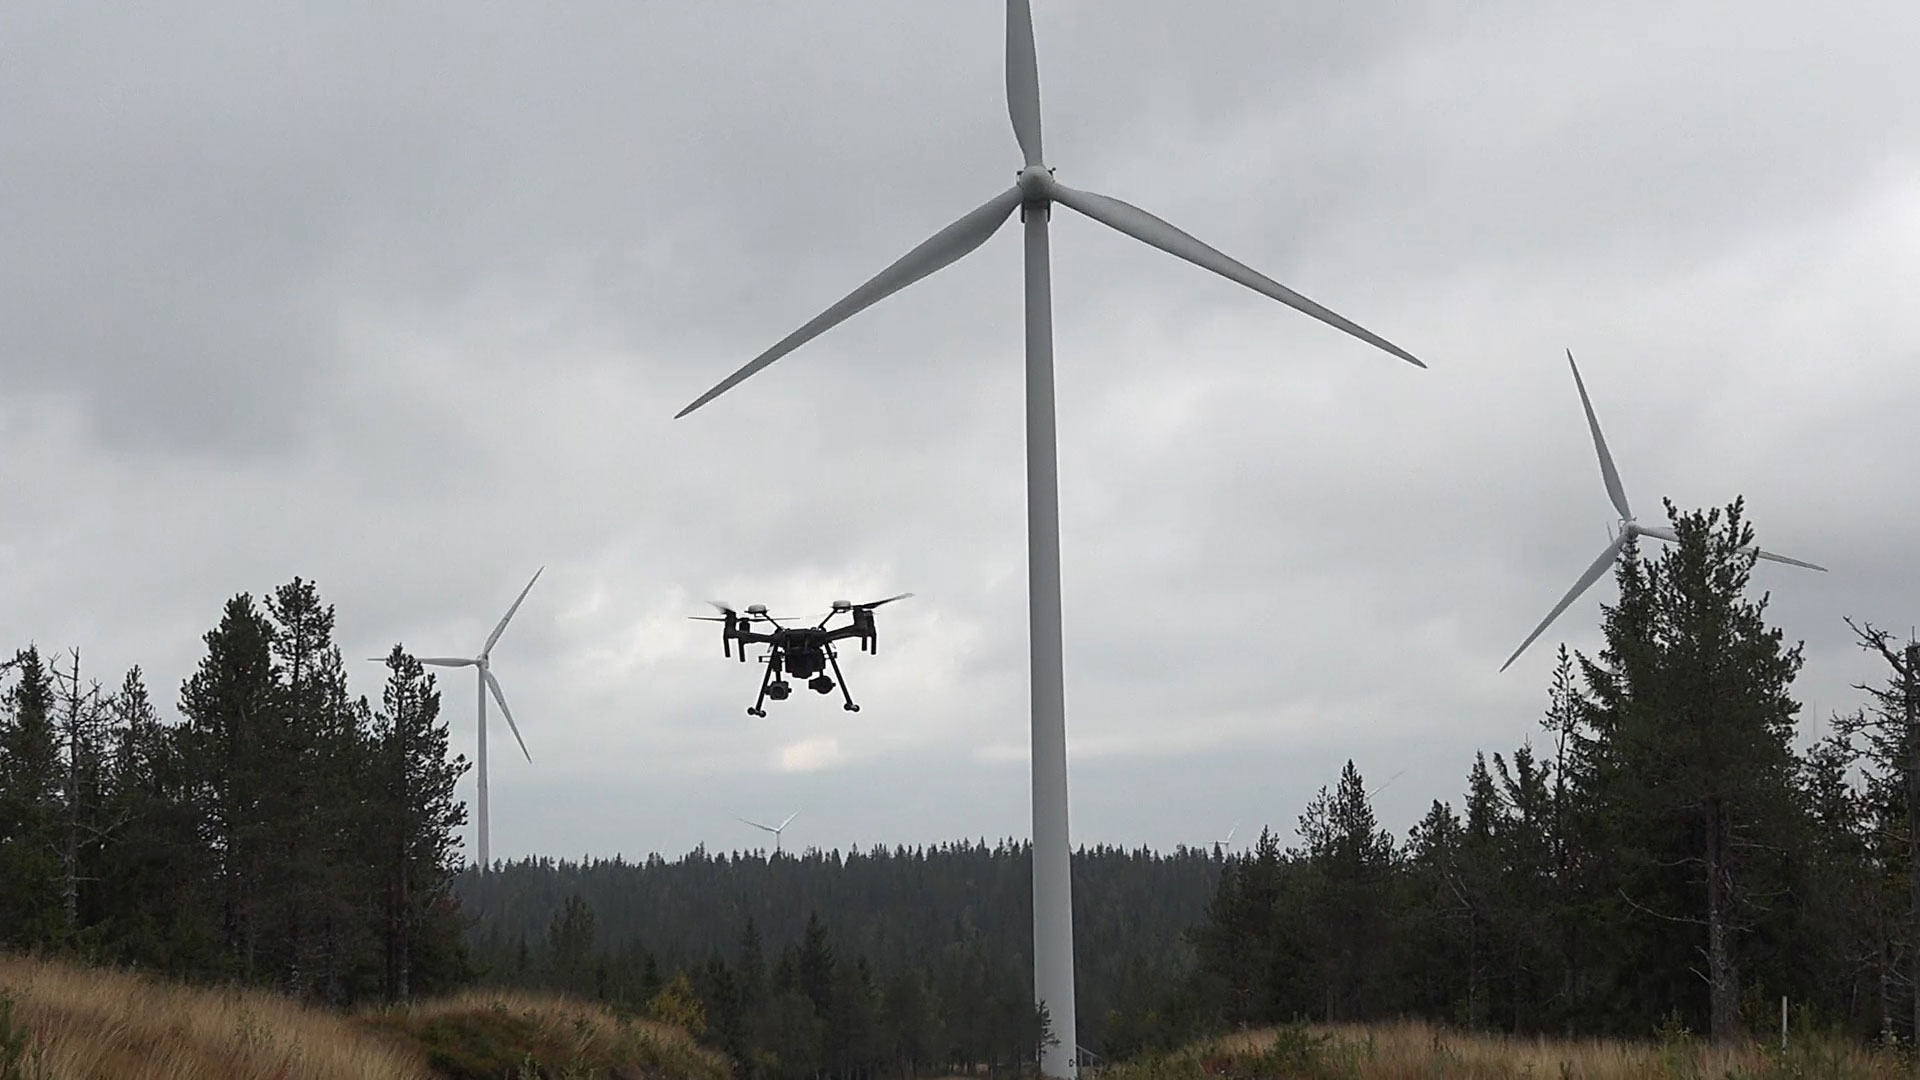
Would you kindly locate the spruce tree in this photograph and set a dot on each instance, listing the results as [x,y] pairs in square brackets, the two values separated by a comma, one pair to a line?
[1885,736]
[418,834]
[319,811]
[229,707]
[1692,721]
[1351,861]
[31,912]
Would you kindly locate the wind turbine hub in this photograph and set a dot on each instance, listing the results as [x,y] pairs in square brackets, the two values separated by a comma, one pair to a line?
[1036,183]
[1628,527]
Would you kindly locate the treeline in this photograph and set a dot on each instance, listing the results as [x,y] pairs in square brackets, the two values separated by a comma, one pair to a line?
[885,962]
[1666,858]
[281,833]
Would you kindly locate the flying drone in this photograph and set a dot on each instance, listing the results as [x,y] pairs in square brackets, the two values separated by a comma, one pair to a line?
[804,652]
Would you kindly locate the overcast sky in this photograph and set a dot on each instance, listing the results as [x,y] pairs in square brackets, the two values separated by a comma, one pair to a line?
[402,299]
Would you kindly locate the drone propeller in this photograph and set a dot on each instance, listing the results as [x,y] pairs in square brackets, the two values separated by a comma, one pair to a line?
[877,603]
[727,616]
[870,641]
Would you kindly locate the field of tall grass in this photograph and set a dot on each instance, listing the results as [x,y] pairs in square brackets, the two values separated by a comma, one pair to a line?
[62,1022]
[1406,1051]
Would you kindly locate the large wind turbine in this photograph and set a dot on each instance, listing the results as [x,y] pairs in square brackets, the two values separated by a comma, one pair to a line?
[1628,527]
[1034,193]
[488,683]
[776,830]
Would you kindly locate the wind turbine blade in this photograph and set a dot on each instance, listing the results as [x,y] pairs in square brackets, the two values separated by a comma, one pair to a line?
[1230,832]
[755,824]
[1607,472]
[508,617]
[446,661]
[1661,532]
[1771,557]
[493,684]
[1586,582]
[790,818]
[1144,227]
[1023,80]
[942,248]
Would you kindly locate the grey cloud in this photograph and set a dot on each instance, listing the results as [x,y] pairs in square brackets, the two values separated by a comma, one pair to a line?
[402,301]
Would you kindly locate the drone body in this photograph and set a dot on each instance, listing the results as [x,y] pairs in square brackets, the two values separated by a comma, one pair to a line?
[803,652]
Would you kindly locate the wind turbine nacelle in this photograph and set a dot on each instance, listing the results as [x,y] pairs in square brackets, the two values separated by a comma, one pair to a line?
[843,605]
[756,609]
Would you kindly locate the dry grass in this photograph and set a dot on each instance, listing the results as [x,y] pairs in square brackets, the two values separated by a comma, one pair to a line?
[495,1033]
[1405,1051]
[73,1023]
[82,1024]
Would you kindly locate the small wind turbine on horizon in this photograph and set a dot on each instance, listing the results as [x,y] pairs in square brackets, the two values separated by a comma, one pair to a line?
[1034,194]
[487,683]
[776,830]
[1627,528]
[1220,846]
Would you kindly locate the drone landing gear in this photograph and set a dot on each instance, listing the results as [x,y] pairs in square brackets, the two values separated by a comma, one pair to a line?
[767,683]
[835,661]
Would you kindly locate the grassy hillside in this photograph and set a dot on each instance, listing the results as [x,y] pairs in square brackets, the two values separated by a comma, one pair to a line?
[1417,1050]
[61,1022]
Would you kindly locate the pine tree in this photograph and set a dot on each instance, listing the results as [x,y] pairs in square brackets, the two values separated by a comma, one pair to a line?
[1443,920]
[1351,860]
[155,878]
[570,945]
[1237,963]
[229,704]
[1693,723]
[318,812]
[814,966]
[753,966]
[419,819]
[81,729]
[1887,734]
[31,912]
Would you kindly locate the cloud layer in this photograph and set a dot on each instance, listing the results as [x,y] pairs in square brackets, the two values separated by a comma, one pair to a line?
[402,302]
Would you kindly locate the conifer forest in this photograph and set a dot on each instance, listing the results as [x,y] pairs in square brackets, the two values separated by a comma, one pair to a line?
[1663,851]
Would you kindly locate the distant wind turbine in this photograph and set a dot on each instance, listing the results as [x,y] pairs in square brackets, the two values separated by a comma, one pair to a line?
[1628,527]
[776,830]
[1034,194]
[1384,783]
[488,683]
[1220,846]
